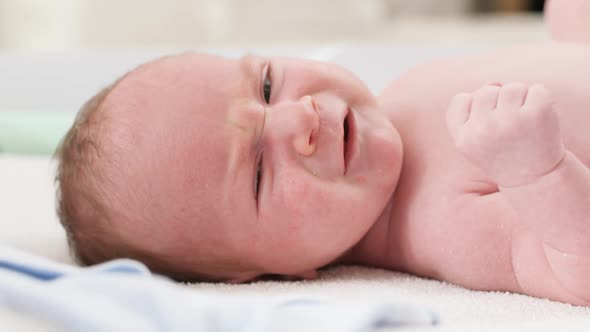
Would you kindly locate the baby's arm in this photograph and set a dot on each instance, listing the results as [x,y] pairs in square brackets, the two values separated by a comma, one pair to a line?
[512,133]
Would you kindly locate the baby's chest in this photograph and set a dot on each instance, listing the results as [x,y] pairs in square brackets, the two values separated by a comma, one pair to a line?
[426,91]
[444,239]
[469,247]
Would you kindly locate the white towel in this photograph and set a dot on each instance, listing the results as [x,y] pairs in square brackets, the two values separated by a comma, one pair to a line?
[122,295]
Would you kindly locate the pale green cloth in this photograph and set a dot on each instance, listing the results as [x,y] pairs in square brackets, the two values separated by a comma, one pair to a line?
[32,132]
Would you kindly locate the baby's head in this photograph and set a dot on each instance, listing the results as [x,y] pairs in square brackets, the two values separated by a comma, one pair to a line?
[211,168]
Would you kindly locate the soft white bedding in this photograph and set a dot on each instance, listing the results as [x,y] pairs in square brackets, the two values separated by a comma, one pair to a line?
[28,222]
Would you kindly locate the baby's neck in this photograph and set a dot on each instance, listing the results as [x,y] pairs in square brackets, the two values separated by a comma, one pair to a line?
[377,247]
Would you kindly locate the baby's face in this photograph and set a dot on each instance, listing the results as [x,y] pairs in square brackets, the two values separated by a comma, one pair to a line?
[282,164]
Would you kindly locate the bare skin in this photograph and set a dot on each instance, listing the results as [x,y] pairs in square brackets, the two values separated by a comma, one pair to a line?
[514,222]
[472,170]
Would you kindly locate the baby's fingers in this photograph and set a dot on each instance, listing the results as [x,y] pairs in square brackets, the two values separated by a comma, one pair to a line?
[538,98]
[458,113]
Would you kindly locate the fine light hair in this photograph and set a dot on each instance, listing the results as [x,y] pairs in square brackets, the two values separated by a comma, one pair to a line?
[89,201]
[80,203]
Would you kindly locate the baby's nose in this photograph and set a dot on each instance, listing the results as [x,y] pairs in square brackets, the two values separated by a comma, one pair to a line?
[304,141]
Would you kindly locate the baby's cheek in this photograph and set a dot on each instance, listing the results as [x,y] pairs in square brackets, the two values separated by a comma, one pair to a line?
[301,200]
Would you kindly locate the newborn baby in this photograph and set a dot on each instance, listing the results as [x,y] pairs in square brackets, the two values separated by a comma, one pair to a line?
[207,168]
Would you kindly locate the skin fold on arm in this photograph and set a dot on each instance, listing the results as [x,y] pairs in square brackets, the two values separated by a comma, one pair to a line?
[512,133]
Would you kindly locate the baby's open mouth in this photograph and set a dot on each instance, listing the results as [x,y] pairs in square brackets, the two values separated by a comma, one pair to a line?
[348,138]
[346,130]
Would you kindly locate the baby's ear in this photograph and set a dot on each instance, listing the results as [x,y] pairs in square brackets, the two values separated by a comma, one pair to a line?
[253,276]
[243,277]
[307,275]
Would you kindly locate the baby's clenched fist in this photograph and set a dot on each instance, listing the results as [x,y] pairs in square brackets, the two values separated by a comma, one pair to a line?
[511,131]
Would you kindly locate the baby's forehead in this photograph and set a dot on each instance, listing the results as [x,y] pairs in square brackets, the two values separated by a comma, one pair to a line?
[168,86]
[182,104]
[179,108]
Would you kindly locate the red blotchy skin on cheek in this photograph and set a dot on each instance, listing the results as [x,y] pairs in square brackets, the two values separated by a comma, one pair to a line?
[295,227]
[297,202]
[361,179]
[294,198]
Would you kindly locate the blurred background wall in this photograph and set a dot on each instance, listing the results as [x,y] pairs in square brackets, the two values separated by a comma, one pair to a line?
[50,25]
[55,54]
